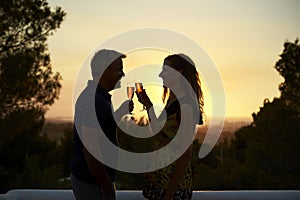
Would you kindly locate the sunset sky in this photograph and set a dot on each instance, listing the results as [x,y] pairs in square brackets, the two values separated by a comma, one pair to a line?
[242,38]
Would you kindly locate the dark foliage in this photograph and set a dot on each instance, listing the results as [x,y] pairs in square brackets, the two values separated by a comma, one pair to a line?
[28,87]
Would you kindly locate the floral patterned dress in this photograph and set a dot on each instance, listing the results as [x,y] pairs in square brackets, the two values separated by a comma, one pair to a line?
[156,182]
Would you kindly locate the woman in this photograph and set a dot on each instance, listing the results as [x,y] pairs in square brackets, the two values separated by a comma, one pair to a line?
[175,180]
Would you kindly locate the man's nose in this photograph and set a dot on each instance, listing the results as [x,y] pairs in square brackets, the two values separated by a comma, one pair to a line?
[122,74]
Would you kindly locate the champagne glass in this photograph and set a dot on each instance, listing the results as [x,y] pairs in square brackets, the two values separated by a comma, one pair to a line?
[139,89]
[130,91]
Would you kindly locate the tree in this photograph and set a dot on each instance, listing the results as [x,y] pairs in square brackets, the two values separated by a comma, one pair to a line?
[28,84]
[289,68]
[28,87]
[264,154]
[268,151]
[26,76]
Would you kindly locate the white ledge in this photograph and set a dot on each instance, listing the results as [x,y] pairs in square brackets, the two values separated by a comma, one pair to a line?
[32,194]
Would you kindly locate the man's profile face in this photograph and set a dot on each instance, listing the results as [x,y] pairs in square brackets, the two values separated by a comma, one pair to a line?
[114,73]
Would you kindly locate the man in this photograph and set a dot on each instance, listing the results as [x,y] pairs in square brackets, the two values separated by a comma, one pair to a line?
[90,178]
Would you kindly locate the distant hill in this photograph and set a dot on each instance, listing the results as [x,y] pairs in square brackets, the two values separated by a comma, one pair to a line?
[228,130]
[54,128]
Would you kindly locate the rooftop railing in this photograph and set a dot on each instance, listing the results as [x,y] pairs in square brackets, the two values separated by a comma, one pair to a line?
[31,194]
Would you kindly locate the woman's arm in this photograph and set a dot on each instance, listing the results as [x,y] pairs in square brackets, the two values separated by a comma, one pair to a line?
[187,121]
[181,165]
[145,100]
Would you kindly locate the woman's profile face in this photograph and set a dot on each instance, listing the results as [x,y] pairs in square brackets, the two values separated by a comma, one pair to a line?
[168,74]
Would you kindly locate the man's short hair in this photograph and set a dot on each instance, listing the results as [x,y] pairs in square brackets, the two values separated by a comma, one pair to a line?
[101,61]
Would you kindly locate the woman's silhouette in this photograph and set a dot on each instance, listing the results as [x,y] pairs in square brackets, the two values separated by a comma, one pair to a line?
[175,180]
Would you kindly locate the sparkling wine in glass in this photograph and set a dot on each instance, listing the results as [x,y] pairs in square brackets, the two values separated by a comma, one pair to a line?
[130,91]
[139,86]
[139,89]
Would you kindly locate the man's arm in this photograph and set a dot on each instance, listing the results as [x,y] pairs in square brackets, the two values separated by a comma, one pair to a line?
[125,108]
[91,140]
[97,169]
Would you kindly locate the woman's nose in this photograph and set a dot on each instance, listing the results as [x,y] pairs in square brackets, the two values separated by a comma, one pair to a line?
[160,74]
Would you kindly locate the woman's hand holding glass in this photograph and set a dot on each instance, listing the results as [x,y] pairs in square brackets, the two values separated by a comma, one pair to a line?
[144,99]
[139,89]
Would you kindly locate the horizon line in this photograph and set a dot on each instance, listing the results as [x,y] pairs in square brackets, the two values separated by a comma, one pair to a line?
[70,118]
